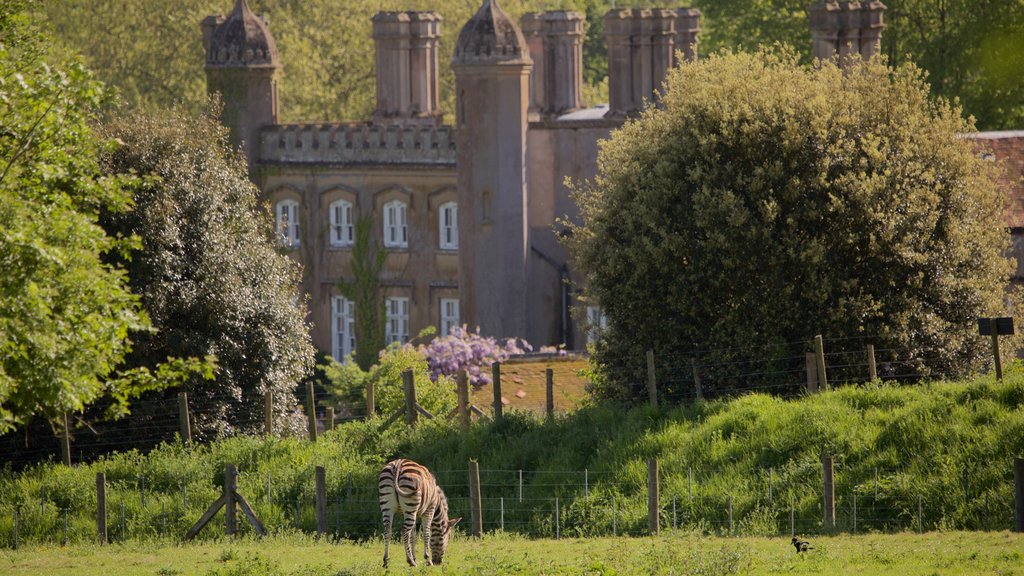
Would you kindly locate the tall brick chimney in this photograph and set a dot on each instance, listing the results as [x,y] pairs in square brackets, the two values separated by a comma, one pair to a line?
[555,41]
[846,29]
[407,69]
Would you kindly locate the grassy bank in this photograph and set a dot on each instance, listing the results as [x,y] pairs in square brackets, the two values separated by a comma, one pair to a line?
[899,555]
[941,452]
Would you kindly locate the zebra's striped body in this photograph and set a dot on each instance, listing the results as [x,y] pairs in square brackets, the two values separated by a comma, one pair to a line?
[407,487]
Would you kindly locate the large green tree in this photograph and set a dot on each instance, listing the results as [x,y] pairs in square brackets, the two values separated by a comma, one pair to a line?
[208,269]
[767,202]
[65,314]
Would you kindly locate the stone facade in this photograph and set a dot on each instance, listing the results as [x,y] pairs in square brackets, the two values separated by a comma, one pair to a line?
[467,213]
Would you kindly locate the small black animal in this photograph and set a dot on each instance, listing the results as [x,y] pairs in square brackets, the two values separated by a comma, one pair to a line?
[801,545]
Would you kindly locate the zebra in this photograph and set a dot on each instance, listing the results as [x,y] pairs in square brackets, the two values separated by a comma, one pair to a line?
[407,487]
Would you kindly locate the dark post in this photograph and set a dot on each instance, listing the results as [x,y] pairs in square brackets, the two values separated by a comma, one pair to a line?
[550,381]
[311,411]
[409,385]
[186,426]
[101,508]
[652,496]
[829,493]
[812,373]
[329,424]
[496,383]
[65,442]
[995,352]
[1018,491]
[268,412]
[321,500]
[697,388]
[370,405]
[652,382]
[819,354]
[872,369]
[462,385]
[476,527]
[230,489]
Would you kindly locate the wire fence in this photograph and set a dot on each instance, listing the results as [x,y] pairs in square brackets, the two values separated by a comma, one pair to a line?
[548,504]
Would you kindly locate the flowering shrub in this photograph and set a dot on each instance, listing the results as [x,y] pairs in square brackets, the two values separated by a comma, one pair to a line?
[469,351]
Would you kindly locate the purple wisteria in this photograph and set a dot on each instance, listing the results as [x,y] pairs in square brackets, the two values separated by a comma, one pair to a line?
[469,351]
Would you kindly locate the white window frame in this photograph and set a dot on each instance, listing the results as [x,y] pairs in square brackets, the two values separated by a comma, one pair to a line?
[597,321]
[343,328]
[448,225]
[397,319]
[449,315]
[342,226]
[396,229]
[286,213]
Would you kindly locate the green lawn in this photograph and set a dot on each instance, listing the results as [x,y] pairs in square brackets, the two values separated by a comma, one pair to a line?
[998,553]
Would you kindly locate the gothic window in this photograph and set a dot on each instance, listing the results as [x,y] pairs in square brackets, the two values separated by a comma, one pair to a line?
[342,229]
[596,323]
[343,334]
[397,320]
[449,315]
[448,219]
[287,212]
[395,229]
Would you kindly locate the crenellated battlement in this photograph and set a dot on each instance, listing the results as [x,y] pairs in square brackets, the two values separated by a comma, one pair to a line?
[357,143]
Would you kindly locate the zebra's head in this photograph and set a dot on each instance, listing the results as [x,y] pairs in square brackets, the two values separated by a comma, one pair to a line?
[440,531]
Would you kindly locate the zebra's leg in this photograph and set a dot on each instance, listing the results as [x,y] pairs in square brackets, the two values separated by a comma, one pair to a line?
[425,529]
[409,537]
[387,534]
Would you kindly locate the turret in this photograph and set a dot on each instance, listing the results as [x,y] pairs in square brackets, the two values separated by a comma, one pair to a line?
[242,64]
[492,68]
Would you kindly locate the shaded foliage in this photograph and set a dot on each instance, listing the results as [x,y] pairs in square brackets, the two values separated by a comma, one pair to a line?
[768,202]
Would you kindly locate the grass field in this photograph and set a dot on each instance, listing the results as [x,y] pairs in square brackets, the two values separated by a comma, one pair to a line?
[997,553]
[523,384]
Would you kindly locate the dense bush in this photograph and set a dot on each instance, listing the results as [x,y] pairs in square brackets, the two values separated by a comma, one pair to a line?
[765,202]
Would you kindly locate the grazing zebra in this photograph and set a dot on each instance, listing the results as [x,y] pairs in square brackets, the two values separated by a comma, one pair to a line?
[411,489]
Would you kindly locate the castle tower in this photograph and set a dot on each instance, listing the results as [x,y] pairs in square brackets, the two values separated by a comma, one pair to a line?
[407,70]
[555,41]
[241,65]
[492,80]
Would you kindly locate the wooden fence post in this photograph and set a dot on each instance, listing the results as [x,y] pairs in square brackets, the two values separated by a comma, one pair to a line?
[268,412]
[409,384]
[652,497]
[329,422]
[549,375]
[462,387]
[321,501]
[101,508]
[476,527]
[1018,491]
[496,383]
[697,388]
[652,382]
[184,418]
[812,373]
[996,356]
[371,406]
[65,442]
[230,489]
[311,411]
[819,354]
[829,492]
[872,368]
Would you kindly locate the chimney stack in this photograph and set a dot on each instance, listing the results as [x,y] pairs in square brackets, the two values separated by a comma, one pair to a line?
[407,70]
[642,46]
[555,41]
[846,29]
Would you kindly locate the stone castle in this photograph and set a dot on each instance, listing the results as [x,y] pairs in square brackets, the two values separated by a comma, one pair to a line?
[466,213]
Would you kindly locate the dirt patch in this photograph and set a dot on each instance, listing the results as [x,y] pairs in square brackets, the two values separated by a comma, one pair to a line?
[523,385]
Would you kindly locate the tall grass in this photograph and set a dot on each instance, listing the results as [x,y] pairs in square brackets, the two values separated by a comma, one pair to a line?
[947,445]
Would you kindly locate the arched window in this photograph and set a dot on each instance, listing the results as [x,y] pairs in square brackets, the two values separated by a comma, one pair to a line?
[395,230]
[342,229]
[287,212]
[448,219]
[343,333]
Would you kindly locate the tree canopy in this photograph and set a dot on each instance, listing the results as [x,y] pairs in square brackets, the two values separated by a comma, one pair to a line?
[208,268]
[766,202]
[151,49]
